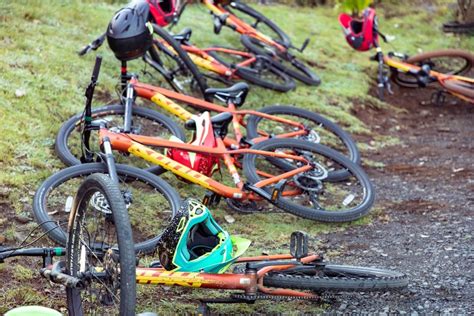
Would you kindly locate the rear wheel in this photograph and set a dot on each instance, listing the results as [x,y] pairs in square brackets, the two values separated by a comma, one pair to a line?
[261,72]
[284,61]
[316,194]
[144,122]
[333,277]
[447,61]
[100,252]
[151,202]
[319,130]
[179,72]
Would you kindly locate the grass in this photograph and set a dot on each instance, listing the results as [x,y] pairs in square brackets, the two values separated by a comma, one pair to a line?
[43,81]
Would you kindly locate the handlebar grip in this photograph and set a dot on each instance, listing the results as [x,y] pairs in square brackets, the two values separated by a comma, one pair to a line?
[84,50]
[95,72]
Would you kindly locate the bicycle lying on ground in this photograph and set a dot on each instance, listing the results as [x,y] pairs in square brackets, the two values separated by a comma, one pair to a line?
[269,122]
[261,36]
[442,69]
[95,285]
[227,64]
[297,176]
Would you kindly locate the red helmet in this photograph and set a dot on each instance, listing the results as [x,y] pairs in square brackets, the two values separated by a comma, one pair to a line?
[204,137]
[361,35]
[162,11]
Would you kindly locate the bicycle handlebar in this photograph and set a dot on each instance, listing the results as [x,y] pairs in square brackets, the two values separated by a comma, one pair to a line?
[94,45]
[31,252]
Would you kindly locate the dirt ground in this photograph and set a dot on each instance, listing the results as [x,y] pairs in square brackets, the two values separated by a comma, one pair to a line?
[426,191]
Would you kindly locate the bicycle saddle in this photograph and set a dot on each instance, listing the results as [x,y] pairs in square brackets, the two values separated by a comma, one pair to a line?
[220,123]
[235,94]
[183,36]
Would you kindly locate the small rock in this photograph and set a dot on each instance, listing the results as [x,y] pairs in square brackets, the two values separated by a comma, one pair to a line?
[229,219]
[23,219]
[20,93]
[343,306]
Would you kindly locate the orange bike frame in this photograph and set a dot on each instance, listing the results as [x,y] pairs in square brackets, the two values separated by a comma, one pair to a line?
[240,26]
[164,99]
[136,145]
[250,283]
[409,68]
[202,59]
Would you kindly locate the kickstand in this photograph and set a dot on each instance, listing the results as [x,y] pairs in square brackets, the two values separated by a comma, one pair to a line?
[204,310]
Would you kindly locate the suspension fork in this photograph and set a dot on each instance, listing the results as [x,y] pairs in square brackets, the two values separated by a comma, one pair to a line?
[110,160]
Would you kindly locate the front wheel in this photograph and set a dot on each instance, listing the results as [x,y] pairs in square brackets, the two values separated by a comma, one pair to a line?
[100,252]
[316,194]
[151,202]
[333,277]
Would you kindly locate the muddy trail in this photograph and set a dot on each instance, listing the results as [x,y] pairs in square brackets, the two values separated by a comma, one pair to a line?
[426,193]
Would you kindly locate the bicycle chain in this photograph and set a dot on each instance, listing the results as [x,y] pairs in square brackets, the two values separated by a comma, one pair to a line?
[274,297]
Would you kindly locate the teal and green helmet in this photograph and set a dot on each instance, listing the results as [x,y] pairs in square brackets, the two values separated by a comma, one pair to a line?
[194,242]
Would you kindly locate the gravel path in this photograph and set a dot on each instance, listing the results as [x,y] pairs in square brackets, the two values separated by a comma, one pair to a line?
[426,191]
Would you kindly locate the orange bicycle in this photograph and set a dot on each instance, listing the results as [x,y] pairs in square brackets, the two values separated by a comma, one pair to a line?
[261,36]
[226,64]
[296,176]
[269,122]
[446,70]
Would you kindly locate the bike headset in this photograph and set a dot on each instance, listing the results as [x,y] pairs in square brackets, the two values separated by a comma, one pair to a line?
[194,242]
[360,34]
[128,33]
[162,11]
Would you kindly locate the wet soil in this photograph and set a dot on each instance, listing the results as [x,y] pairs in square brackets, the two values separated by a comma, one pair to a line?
[426,193]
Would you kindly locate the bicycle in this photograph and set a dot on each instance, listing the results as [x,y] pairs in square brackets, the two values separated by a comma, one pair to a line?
[268,122]
[300,275]
[422,70]
[270,40]
[300,177]
[227,65]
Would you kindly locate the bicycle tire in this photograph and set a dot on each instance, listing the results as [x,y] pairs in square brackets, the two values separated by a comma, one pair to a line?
[44,216]
[295,68]
[348,146]
[186,64]
[65,153]
[284,84]
[126,253]
[317,213]
[283,38]
[333,277]
[411,82]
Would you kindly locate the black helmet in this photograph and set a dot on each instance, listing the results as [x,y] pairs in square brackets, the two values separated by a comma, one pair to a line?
[128,34]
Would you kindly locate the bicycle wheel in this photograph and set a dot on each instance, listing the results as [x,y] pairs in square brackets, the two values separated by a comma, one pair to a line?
[100,249]
[151,202]
[261,72]
[258,21]
[333,277]
[284,61]
[446,61]
[320,130]
[173,63]
[315,194]
[144,121]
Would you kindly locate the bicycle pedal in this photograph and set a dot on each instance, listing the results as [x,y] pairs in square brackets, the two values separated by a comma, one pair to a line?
[277,189]
[211,199]
[299,244]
